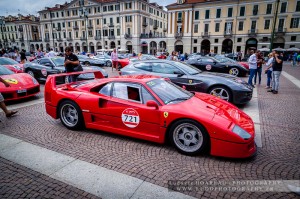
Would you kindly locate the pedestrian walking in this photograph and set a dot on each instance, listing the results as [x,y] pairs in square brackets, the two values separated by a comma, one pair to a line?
[294,58]
[268,70]
[260,60]
[114,58]
[252,67]
[39,54]
[23,56]
[18,56]
[71,62]
[174,56]
[7,112]
[51,53]
[277,68]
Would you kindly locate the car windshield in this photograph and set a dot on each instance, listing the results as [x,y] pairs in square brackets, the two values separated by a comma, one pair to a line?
[168,92]
[82,56]
[188,68]
[7,61]
[224,59]
[58,61]
[5,71]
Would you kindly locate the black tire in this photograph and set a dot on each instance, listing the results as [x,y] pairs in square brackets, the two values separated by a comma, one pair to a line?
[234,71]
[75,114]
[119,66]
[87,63]
[217,91]
[200,137]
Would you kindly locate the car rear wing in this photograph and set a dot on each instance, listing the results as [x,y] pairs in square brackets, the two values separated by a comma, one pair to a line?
[52,80]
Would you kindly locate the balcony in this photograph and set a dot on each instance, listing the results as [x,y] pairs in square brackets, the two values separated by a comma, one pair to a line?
[151,35]
[58,29]
[165,29]
[90,26]
[69,39]
[46,40]
[111,37]
[111,25]
[97,37]
[59,39]
[83,38]
[227,33]
[178,35]
[20,29]
[145,24]
[155,26]
[35,40]
[128,36]
[205,35]
[252,33]
[280,31]
[75,27]
[179,20]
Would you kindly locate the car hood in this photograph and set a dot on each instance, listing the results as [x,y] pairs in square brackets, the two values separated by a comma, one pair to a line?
[18,81]
[214,75]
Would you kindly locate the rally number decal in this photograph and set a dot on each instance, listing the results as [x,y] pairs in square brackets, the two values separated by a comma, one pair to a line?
[130,118]
[208,67]
[44,72]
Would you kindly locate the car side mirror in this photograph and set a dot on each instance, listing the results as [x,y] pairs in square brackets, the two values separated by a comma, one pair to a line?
[152,103]
[48,64]
[178,73]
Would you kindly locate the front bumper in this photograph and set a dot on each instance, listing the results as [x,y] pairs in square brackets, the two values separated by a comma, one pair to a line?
[232,150]
[14,95]
[242,97]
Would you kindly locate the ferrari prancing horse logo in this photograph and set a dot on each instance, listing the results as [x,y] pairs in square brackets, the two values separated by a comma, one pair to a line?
[166,114]
[11,81]
[190,81]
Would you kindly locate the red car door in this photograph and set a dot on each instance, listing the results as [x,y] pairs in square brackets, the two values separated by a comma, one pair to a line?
[121,108]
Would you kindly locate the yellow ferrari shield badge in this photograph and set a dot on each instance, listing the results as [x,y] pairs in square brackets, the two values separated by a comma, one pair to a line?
[166,114]
[11,81]
[190,81]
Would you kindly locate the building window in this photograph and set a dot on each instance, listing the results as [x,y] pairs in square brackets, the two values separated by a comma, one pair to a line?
[253,25]
[104,9]
[218,15]
[195,49]
[267,24]
[46,26]
[206,28]
[283,7]
[63,24]
[128,19]
[255,9]
[195,41]
[298,6]
[110,8]
[269,9]
[127,6]
[68,13]
[45,16]
[280,25]
[241,25]
[117,7]
[104,21]
[242,11]
[69,24]
[239,39]
[294,23]
[118,32]
[119,42]
[196,28]
[207,14]
[229,14]
[293,38]
[98,21]
[217,27]
[76,33]
[57,14]
[179,16]
[196,15]
[216,40]
[64,34]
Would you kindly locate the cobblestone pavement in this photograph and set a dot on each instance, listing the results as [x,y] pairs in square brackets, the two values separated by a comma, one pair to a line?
[278,159]
[20,182]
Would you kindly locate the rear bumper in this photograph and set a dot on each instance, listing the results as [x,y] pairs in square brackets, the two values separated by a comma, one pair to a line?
[232,150]
[14,95]
[51,110]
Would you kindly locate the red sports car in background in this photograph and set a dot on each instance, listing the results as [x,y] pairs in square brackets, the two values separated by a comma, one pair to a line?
[161,55]
[245,64]
[22,85]
[153,109]
[124,62]
[12,65]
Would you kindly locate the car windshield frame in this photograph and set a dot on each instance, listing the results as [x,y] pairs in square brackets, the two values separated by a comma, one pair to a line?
[189,69]
[174,95]
[54,60]
[7,61]
[5,71]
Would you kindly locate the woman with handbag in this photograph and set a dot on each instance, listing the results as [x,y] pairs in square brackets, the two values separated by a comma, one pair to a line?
[71,63]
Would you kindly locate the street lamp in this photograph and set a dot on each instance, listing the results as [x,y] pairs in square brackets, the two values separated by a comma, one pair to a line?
[2,24]
[84,15]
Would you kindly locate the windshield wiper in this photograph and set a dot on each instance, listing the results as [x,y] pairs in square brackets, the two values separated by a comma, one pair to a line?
[178,99]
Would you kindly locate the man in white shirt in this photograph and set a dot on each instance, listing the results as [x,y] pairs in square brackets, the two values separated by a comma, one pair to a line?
[252,67]
[51,53]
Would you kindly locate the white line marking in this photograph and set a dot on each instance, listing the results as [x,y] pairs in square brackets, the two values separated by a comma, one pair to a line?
[25,104]
[251,109]
[293,79]
[91,178]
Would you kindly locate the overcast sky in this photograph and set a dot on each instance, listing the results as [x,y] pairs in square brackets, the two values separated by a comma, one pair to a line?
[25,7]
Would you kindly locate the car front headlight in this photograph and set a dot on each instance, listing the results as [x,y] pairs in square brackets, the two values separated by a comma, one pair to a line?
[241,132]
[34,81]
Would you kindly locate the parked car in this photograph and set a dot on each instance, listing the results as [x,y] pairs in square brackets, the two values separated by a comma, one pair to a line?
[42,68]
[105,58]
[22,85]
[85,60]
[153,109]
[226,59]
[11,65]
[227,87]
[213,65]
[124,62]
[232,56]
[161,55]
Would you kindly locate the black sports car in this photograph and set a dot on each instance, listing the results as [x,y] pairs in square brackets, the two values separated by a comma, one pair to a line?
[85,60]
[213,65]
[227,87]
[43,67]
